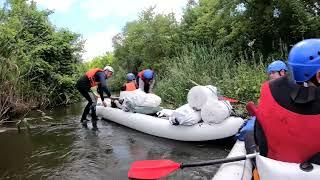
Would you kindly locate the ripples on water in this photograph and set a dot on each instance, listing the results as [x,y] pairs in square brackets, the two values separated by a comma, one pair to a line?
[71,152]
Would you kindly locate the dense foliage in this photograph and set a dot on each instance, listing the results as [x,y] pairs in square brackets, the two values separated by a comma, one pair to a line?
[39,63]
[224,43]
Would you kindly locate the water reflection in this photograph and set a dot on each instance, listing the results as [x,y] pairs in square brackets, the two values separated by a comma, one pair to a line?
[71,152]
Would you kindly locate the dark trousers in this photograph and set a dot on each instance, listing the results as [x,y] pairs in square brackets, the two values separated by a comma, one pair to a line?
[146,85]
[92,103]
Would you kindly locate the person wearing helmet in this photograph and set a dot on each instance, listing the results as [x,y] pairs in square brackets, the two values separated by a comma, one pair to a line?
[146,80]
[131,84]
[92,78]
[288,114]
[277,69]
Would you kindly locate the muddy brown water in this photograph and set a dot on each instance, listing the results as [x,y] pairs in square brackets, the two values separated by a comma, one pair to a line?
[72,152]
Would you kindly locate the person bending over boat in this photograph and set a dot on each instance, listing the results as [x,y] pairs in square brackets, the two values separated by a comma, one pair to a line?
[131,84]
[92,78]
[288,114]
[146,80]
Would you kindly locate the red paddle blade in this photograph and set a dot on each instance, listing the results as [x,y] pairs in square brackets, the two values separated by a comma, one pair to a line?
[152,169]
[230,100]
[251,108]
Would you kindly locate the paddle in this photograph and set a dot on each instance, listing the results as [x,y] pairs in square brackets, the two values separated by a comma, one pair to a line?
[232,100]
[155,169]
[112,97]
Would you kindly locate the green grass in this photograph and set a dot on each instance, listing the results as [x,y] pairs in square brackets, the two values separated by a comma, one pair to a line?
[235,78]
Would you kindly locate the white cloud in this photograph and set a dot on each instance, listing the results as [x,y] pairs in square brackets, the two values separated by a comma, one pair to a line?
[58,5]
[125,8]
[99,43]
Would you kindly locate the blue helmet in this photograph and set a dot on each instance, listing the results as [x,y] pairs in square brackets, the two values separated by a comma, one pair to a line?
[304,59]
[130,76]
[277,65]
[148,74]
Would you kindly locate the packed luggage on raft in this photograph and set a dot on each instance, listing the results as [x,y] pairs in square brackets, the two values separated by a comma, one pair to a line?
[203,106]
[209,119]
[136,101]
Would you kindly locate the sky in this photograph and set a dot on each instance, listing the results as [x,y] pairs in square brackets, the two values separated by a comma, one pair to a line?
[99,20]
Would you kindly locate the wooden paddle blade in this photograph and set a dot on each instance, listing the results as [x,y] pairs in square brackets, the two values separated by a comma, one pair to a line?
[152,169]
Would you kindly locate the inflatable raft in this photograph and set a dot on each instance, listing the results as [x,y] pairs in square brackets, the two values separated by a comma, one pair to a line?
[278,170]
[239,170]
[269,169]
[163,128]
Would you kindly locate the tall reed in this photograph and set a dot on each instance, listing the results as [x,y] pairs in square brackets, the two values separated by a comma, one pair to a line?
[238,78]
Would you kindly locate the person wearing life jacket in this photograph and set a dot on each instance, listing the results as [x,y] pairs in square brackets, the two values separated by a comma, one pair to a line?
[277,69]
[146,80]
[288,114]
[131,84]
[92,78]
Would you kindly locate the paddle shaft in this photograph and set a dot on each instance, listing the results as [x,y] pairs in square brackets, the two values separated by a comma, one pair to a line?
[112,98]
[218,161]
[241,102]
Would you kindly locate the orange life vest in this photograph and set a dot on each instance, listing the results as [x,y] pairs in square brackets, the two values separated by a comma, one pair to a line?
[291,137]
[91,76]
[131,86]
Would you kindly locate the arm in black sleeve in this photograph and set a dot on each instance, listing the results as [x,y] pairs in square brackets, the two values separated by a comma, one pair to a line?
[260,139]
[123,87]
[102,87]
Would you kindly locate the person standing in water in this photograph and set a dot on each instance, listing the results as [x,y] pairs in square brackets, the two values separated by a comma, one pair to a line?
[92,78]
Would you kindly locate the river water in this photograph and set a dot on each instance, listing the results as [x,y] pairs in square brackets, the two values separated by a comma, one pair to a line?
[72,152]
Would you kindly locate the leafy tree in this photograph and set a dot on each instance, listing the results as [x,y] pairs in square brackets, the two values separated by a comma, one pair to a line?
[267,26]
[248,33]
[100,61]
[43,62]
[146,42]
